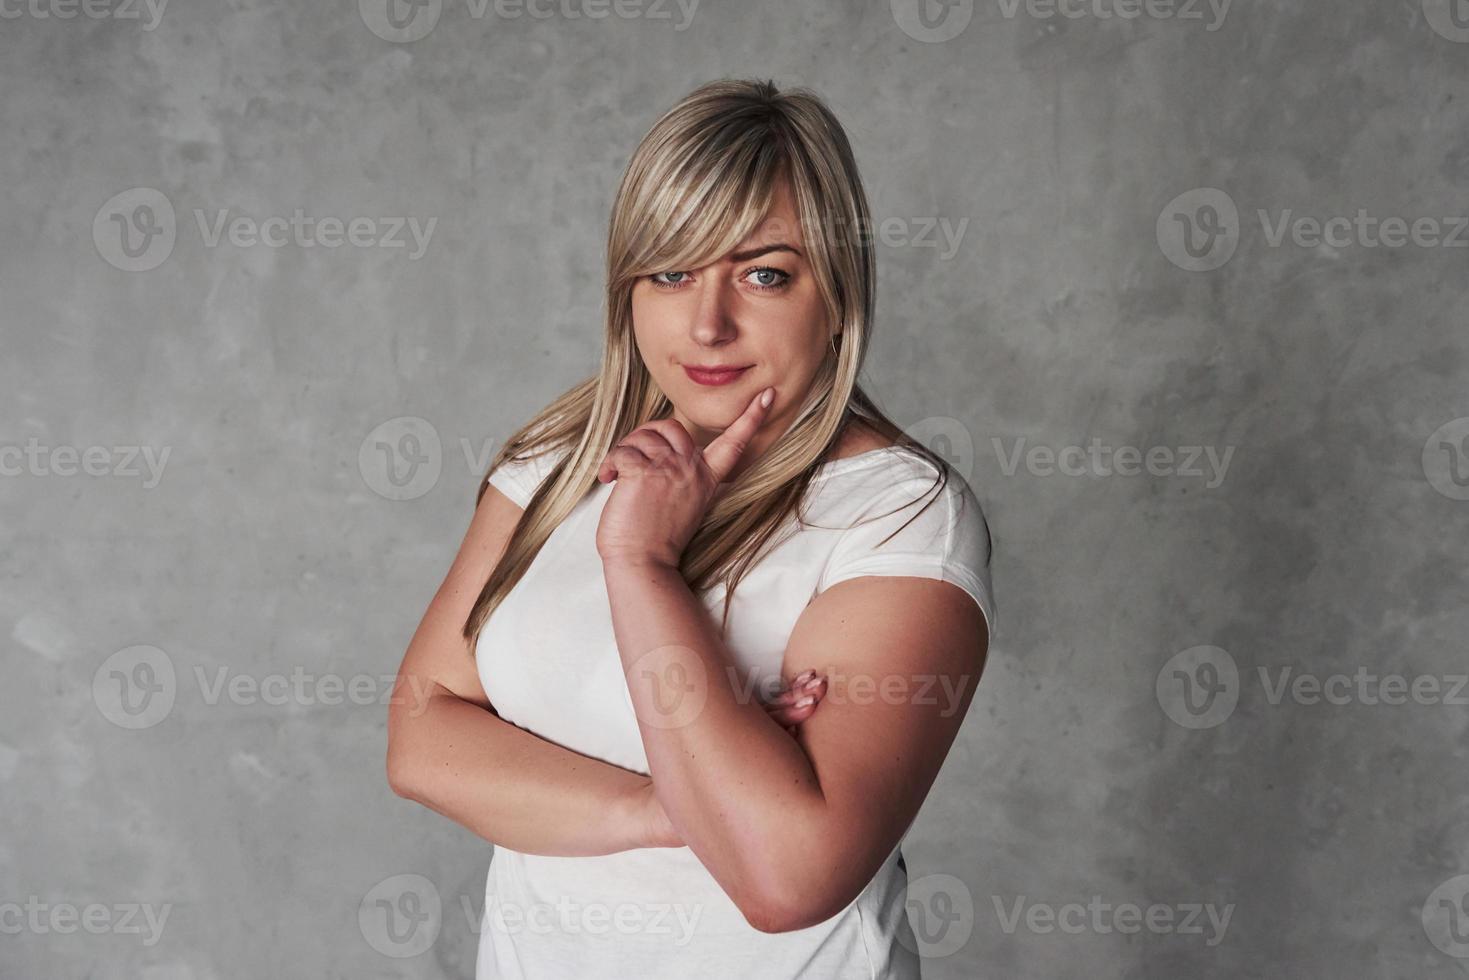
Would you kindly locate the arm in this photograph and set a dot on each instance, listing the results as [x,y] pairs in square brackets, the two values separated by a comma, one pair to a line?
[789,828]
[448,751]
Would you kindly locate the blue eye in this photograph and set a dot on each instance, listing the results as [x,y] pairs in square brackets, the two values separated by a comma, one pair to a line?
[771,279]
[769,283]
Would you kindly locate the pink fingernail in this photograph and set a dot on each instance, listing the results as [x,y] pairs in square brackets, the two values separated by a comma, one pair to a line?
[805,702]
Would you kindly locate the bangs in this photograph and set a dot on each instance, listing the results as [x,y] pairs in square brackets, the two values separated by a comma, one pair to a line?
[702,206]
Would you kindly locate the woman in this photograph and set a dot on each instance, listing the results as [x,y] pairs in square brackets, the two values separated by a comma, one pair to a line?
[600,678]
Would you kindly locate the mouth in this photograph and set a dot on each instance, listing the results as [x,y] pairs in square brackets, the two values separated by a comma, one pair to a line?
[715,375]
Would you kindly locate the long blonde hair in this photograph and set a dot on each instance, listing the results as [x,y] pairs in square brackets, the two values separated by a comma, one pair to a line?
[699,183]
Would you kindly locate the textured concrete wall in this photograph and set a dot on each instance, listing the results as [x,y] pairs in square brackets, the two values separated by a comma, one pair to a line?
[1221,440]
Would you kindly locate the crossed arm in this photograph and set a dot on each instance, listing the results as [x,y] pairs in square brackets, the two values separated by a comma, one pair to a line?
[449,751]
[793,829]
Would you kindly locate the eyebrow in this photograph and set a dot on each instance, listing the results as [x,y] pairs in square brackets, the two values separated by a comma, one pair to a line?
[748,254]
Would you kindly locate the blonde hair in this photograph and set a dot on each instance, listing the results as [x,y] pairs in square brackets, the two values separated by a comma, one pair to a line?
[698,184]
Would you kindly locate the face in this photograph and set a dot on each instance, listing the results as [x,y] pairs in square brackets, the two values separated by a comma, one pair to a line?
[758,308]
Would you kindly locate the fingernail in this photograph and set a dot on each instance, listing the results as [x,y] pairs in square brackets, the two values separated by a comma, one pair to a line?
[805,702]
[766,398]
[804,676]
[814,682]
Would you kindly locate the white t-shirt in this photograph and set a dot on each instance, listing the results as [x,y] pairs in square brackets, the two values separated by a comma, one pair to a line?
[653,913]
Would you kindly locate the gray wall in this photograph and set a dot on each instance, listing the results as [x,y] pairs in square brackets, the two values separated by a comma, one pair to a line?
[1131,741]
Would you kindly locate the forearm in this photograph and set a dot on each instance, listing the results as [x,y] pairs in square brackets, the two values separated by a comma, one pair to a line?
[515,789]
[737,787]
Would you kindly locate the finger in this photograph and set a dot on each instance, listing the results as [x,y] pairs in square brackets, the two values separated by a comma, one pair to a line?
[722,454]
[678,437]
[619,457]
[792,714]
[804,685]
[652,442]
[791,717]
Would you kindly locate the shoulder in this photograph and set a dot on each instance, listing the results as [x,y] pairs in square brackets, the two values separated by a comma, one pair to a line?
[894,511]
[518,476]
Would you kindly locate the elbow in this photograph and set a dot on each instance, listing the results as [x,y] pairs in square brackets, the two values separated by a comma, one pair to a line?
[789,908]
[399,764]
[398,777]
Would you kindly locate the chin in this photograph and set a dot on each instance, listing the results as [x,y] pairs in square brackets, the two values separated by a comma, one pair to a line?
[712,410]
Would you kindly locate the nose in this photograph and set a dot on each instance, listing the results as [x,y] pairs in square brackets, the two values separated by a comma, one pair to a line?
[713,323]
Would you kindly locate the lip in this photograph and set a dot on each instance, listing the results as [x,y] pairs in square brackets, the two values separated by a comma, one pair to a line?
[718,376]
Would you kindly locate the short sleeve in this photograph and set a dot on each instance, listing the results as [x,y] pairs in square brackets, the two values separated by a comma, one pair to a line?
[519,478]
[949,539]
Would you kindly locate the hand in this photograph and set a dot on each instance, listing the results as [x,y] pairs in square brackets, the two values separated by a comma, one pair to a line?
[665,485]
[786,707]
